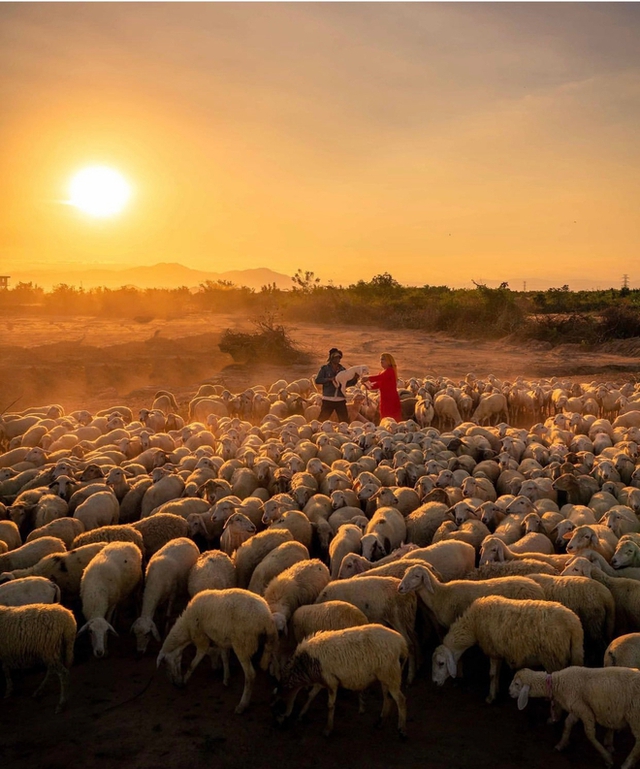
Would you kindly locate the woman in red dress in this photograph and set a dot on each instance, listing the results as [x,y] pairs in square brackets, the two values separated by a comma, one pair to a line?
[386,382]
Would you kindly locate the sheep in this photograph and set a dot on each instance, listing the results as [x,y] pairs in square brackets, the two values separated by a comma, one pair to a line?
[385,532]
[607,696]
[213,570]
[100,509]
[28,590]
[423,522]
[347,540]
[452,560]
[447,602]
[625,592]
[251,552]
[285,555]
[379,600]
[594,537]
[10,534]
[63,569]
[35,635]
[494,549]
[511,569]
[297,523]
[118,533]
[627,554]
[353,565]
[591,601]
[109,578]
[623,651]
[30,553]
[160,528]
[331,615]
[237,529]
[165,578]
[66,529]
[491,406]
[231,619]
[342,377]
[520,632]
[300,584]
[472,532]
[354,658]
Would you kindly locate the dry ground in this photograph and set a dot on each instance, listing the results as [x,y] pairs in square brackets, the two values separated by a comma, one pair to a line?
[114,719]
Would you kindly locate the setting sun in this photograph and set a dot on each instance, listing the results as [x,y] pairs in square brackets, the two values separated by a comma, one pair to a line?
[99,191]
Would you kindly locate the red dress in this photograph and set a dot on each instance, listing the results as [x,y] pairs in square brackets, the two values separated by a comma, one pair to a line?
[385,381]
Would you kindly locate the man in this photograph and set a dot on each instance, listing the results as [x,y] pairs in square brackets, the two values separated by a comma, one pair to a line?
[333,399]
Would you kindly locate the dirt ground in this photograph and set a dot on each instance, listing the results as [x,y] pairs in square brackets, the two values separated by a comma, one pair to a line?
[123,713]
[93,363]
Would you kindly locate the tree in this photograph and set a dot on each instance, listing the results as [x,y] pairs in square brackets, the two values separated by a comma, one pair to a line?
[305,281]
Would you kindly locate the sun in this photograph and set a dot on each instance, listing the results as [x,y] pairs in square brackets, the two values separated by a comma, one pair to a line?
[99,191]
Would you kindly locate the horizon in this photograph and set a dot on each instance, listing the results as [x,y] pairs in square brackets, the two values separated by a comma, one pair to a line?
[442,143]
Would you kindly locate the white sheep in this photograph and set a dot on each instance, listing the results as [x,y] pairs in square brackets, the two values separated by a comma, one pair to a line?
[10,534]
[494,549]
[236,530]
[342,377]
[230,619]
[300,584]
[109,578]
[40,634]
[353,658]
[30,553]
[160,528]
[251,552]
[27,590]
[447,602]
[100,509]
[275,562]
[520,632]
[213,570]
[298,524]
[66,529]
[166,578]
[594,537]
[116,533]
[347,540]
[451,559]
[607,696]
[385,532]
[623,652]
[330,615]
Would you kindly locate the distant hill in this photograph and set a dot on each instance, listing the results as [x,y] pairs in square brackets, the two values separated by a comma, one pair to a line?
[163,275]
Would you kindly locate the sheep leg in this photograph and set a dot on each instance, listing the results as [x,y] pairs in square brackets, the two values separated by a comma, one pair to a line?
[494,678]
[200,653]
[401,704]
[333,693]
[38,691]
[608,740]
[63,675]
[316,689]
[569,723]
[249,677]
[589,723]
[226,672]
[386,703]
[632,758]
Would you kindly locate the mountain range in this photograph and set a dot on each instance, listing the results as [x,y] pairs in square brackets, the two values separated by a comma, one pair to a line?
[163,275]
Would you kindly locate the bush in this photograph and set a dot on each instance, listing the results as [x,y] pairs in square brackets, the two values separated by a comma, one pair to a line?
[269,342]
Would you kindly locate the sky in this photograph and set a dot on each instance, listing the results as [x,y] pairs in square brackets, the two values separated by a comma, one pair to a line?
[443,143]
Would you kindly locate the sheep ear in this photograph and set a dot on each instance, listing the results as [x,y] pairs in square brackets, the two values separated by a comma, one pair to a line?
[427,580]
[567,535]
[83,629]
[451,663]
[111,630]
[161,656]
[523,697]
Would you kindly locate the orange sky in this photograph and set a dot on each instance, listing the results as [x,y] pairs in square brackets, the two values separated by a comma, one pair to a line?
[439,142]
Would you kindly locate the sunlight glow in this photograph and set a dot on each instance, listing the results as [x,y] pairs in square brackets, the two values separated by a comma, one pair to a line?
[99,191]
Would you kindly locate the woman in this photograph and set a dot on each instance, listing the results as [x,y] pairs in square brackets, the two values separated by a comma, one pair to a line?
[386,382]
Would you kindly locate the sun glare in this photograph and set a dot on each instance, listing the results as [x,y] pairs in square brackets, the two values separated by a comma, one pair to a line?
[99,191]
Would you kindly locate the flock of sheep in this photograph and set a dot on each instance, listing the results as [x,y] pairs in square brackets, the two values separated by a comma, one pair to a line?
[338,555]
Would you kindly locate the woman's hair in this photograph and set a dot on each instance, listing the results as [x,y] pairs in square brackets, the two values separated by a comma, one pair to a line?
[391,360]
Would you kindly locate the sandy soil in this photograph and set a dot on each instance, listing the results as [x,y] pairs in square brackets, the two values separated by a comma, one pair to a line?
[92,362]
[120,712]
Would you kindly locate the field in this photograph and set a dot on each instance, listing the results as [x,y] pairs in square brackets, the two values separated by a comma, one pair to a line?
[120,712]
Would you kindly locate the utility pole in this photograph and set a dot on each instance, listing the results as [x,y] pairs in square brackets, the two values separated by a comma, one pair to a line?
[625,281]
[524,286]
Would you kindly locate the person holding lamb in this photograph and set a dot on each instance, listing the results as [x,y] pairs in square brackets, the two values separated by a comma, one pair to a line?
[387,382]
[333,395]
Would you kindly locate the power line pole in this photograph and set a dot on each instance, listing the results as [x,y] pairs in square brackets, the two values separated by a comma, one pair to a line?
[524,286]
[625,281]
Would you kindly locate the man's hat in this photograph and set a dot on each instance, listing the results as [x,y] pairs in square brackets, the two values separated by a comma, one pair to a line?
[334,351]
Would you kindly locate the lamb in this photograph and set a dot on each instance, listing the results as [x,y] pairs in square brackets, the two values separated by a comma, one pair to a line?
[213,570]
[35,635]
[63,569]
[607,696]
[354,658]
[447,602]
[296,586]
[285,555]
[231,619]
[623,652]
[30,553]
[342,377]
[109,578]
[251,552]
[66,529]
[331,615]
[520,632]
[379,600]
[165,578]
[28,590]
